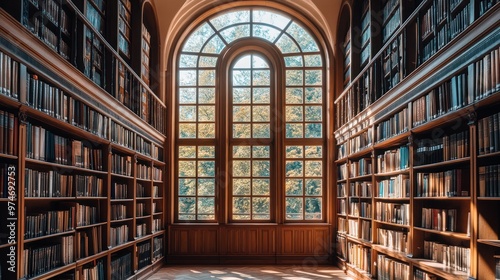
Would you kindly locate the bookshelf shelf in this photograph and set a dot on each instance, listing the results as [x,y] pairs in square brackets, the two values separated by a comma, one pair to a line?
[361,178]
[54,272]
[92,258]
[439,270]
[446,198]
[444,164]
[6,156]
[457,235]
[494,243]
[91,226]
[391,224]
[392,173]
[35,239]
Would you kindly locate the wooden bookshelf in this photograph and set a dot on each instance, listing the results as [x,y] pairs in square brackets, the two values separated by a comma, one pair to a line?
[431,143]
[90,180]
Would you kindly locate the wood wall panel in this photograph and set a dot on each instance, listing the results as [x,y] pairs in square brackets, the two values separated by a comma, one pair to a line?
[305,240]
[244,240]
[194,241]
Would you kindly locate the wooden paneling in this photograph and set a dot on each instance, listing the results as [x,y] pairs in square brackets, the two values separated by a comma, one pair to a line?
[248,240]
[302,240]
[194,241]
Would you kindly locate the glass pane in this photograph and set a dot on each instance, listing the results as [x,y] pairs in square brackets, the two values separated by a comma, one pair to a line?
[294,168]
[294,187]
[206,130]
[294,208]
[187,130]
[206,217]
[208,61]
[261,78]
[206,187]
[187,168]
[293,61]
[260,187]
[236,32]
[314,77]
[207,113]
[294,96]
[206,96]
[241,186]
[313,208]
[188,61]
[313,60]
[294,130]
[287,45]
[261,114]
[187,152]
[258,62]
[265,32]
[214,46]
[314,152]
[314,95]
[294,152]
[241,78]
[187,95]
[260,168]
[241,151]
[270,18]
[241,168]
[187,78]
[313,169]
[313,113]
[241,113]
[206,168]
[206,77]
[227,19]
[206,205]
[303,37]
[187,217]
[261,96]
[187,205]
[187,187]
[260,205]
[241,131]
[313,187]
[261,131]
[313,130]
[241,205]
[294,114]
[206,151]
[187,113]
[241,95]
[198,38]
[294,77]
[260,151]
[243,62]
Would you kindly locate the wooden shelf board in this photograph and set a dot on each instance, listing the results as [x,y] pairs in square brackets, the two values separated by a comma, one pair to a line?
[392,173]
[88,259]
[7,156]
[444,163]
[391,253]
[55,272]
[122,220]
[391,224]
[485,198]
[63,166]
[49,236]
[490,242]
[398,139]
[439,269]
[459,235]
[360,178]
[91,226]
[122,176]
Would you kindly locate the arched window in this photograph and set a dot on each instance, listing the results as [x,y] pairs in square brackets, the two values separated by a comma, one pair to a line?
[250,121]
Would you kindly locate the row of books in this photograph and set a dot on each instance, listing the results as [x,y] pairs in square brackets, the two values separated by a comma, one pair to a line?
[89,242]
[422,275]
[341,247]
[121,135]
[119,191]
[342,225]
[342,172]
[394,160]
[156,191]
[393,213]
[9,76]
[489,181]
[93,272]
[86,215]
[157,248]
[144,251]
[442,184]
[392,239]
[118,212]
[157,225]
[359,256]
[359,209]
[394,187]
[366,230]
[140,209]
[428,22]
[362,141]
[485,5]
[47,184]
[388,268]
[439,219]
[42,144]
[485,75]
[121,266]
[460,21]
[8,133]
[155,208]
[157,174]
[118,235]
[121,165]
[142,145]
[140,190]
[50,222]
[353,229]
[342,150]
[360,168]
[89,186]
[145,54]
[141,230]
[446,97]
[361,189]
[392,23]
[43,259]
[341,206]
[395,125]
[157,152]
[341,190]
[489,134]
[449,147]
[453,257]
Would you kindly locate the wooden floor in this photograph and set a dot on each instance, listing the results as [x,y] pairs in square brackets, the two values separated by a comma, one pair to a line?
[256,272]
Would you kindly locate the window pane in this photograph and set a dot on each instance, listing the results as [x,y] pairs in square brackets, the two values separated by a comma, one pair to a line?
[241,77]
[313,130]
[294,187]
[187,78]
[261,131]
[245,62]
[313,208]
[208,61]
[313,187]
[241,205]
[206,187]
[294,130]
[241,168]
[206,96]
[241,95]
[206,205]
[206,168]
[294,168]
[287,45]
[314,152]
[258,62]
[260,168]
[241,186]
[294,96]
[227,19]
[294,77]
[261,78]
[187,187]
[314,95]
[188,61]
[294,114]
[313,169]
[214,46]
[260,152]
[198,38]
[187,168]
[241,152]
[261,96]
[303,37]
[187,152]
[313,77]
[206,77]
[187,95]
[206,130]
[293,61]
[187,205]
[313,60]
[241,131]
[206,113]
[260,187]
[294,208]
[187,130]
[261,114]
[206,152]
[270,18]
[260,207]
[294,152]
[265,32]
[241,113]
[313,113]
[236,32]
[187,113]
